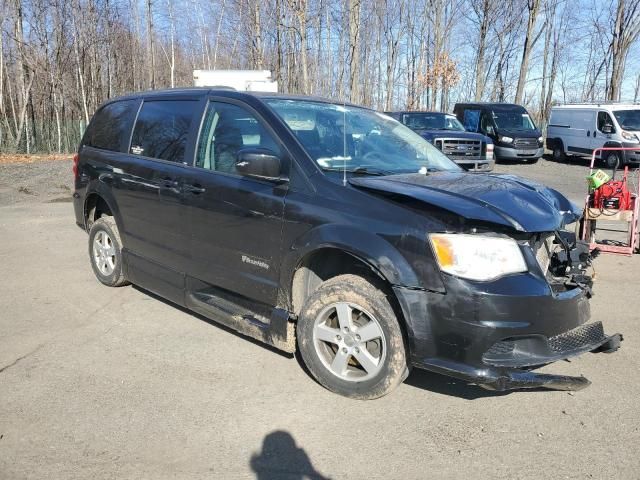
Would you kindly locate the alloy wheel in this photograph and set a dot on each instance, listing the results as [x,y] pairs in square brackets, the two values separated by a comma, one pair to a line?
[349,342]
[104,253]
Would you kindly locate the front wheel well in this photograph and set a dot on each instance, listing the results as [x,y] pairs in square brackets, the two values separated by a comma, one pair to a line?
[322,265]
[326,263]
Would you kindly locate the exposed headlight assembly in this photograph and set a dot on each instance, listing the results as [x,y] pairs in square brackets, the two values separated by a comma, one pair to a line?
[540,139]
[477,257]
[630,137]
[506,139]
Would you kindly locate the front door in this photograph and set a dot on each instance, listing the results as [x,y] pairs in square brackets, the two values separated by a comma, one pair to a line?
[235,221]
[600,137]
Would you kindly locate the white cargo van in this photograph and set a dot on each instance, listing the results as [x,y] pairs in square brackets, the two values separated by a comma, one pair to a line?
[241,80]
[580,129]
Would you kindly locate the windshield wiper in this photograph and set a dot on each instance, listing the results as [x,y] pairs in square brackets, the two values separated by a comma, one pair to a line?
[360,170]
[370,171]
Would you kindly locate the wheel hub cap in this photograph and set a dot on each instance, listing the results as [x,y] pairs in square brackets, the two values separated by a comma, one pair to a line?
[104,253]
[349,341]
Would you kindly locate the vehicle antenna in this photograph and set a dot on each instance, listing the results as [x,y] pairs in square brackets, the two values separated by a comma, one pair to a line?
[344,142]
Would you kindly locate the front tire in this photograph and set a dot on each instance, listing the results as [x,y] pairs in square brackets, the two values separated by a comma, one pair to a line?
[105,252]
[612,160]
[350,339]
[558,153]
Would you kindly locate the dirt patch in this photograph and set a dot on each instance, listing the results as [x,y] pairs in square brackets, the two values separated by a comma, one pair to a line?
[35,181]
[68,199]
[6,158]
[26,191]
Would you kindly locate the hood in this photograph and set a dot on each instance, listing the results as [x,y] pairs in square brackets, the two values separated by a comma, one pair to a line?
[502,199]
[519,133]
[431,134]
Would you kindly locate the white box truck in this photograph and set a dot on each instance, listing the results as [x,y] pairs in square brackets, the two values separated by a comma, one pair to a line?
[581,128]
[241,80]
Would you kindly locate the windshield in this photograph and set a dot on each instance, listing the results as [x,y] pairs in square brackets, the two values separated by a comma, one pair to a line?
[431,121]
[358,139]
[628,119]
[513,120]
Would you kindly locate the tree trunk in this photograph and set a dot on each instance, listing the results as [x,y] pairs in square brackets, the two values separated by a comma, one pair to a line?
[220,16]
[533,7]
[480,51]
[354,49]
[626,31]
[302,25]
[150,56]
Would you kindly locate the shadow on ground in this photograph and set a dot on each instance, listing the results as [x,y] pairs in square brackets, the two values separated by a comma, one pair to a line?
[573,160]
[281,458]
[422,379]
[434,382]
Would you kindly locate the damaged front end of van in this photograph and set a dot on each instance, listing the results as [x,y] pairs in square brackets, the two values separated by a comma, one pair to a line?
[514,287]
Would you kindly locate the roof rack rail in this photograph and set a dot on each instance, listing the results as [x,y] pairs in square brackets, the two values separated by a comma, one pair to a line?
[604,102]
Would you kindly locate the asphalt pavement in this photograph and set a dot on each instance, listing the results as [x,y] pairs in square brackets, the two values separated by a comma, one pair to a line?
[102,383]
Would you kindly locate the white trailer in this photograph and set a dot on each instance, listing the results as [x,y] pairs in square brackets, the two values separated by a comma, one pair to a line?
[241,80]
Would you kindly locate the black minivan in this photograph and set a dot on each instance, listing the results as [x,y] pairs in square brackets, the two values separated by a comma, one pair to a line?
[510,126]
[334,231]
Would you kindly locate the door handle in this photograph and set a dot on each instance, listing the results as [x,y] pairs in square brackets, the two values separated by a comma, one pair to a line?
[195,188]
[169,182]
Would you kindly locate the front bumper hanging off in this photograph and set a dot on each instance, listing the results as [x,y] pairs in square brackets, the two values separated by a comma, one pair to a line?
[501,378]
[510,379]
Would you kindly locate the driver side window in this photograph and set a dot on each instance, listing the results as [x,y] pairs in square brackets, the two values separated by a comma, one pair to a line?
[486,125]
[605,119]
[226,130]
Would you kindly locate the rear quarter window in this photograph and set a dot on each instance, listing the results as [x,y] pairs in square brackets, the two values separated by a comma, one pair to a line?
[162,129]
[110,127]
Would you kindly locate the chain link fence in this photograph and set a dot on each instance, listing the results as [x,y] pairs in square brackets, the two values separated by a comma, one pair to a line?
[43,137]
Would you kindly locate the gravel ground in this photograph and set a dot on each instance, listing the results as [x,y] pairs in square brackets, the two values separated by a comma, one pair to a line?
[115,383]
[44,181]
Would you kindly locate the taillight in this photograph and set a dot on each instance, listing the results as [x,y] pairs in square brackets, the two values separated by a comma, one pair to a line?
[490,151]
[76,157]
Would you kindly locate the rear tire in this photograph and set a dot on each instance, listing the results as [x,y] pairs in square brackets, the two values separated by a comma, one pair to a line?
[350,339]
[105,252]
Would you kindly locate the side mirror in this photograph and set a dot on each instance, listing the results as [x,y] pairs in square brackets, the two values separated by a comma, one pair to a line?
[607,128]
[491,130]
[259,163]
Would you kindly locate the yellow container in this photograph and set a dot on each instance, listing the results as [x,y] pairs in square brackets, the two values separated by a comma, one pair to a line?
[597,179]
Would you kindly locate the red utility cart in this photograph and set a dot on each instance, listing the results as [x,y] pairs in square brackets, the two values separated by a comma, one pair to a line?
[628,215]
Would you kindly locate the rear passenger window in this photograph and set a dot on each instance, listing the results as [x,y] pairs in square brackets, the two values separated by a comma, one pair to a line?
[162,128]
[110,127]
[228,128]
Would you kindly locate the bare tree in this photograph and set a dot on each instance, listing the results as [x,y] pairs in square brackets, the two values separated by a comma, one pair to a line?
[485,13]
[625,32]
[60,59]
[353,12]
[530,39]
[150,49]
